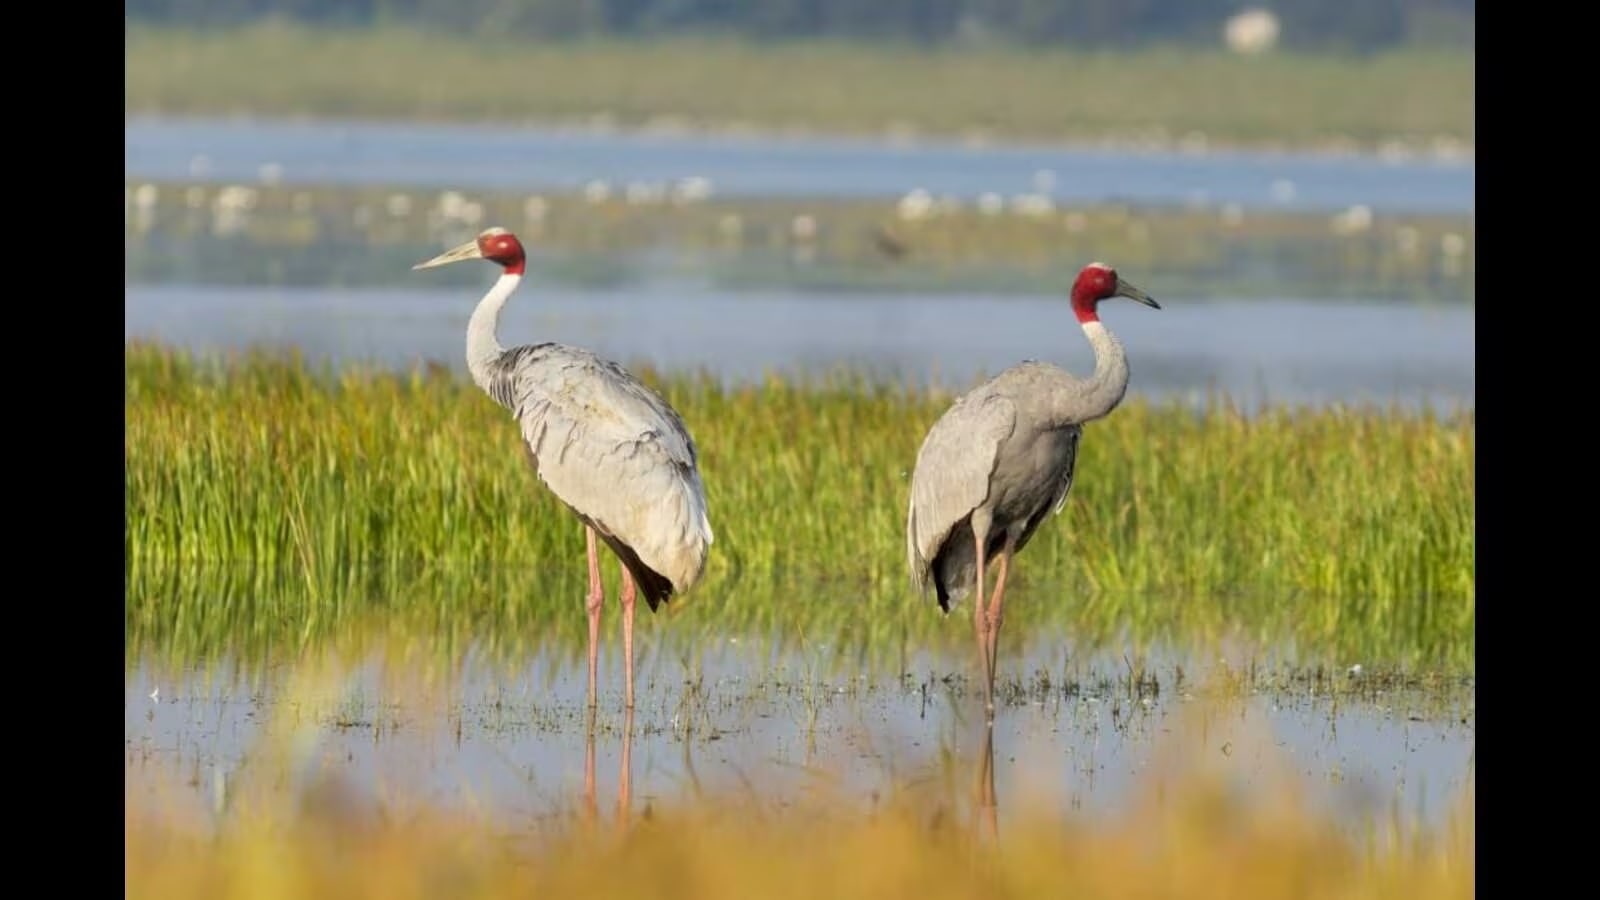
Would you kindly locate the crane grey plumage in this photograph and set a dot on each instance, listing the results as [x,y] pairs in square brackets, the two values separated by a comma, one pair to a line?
[986,460]
[1003,457]
[616,454]
[609,448]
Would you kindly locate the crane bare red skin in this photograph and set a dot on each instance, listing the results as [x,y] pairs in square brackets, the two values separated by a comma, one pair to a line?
[505,249]
[1093,284]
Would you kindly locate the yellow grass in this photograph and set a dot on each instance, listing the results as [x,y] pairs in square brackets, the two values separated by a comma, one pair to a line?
[1197,844]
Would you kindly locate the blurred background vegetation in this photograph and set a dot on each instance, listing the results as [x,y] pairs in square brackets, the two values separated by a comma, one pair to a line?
[1359,26]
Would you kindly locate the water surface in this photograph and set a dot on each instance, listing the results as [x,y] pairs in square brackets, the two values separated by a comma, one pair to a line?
[541,159]
[1290,350]
[1073,734]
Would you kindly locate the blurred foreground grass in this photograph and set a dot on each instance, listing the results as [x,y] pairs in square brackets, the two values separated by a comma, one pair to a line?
[1201,844]
[1198,98]
[1196,824]
[271,501]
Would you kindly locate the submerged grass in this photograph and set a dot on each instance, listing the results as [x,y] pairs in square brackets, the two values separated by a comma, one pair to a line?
[835,86]
[269,500]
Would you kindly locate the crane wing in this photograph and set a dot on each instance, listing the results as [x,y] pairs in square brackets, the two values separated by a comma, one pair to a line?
[1063,485]
[616,453]
[1074,435]
[952,474]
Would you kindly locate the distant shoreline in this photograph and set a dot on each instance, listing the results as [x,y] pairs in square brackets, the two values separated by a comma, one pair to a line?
[1398,151]
[1401,106]
[183,230]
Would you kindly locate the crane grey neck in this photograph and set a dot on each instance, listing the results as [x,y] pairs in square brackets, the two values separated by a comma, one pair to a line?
[483,348]
[1100,394]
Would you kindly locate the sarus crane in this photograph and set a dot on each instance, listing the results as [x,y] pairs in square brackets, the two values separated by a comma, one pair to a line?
[1002,457]
[611,449]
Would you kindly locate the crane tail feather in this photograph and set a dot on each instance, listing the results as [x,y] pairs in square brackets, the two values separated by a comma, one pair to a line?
[653,586]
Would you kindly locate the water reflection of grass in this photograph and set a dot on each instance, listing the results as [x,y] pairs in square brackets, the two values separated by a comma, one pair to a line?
[1197,98]
[335,786]
[269,502]
[1201,821]
[262,234]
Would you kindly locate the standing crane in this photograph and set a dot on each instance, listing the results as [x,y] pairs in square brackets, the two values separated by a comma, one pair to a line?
[1002,457]
[615,453]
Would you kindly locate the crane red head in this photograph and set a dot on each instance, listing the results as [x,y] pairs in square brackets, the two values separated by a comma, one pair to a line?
[497,245]
[1098,281]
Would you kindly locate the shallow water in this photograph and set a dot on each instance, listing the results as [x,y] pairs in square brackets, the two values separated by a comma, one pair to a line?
[539,159]
[517,743]
[1290,350]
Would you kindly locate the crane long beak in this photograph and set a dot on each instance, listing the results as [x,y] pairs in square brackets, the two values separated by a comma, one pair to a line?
[469,250]
[1125,289]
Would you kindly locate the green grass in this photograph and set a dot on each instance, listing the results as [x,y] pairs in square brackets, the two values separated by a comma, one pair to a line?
[320,235]
[824,86]
[268,503]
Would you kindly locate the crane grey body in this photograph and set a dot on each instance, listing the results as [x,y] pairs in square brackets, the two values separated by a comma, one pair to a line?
[1000,456]
[615,454]
[1003,458]
[609,448]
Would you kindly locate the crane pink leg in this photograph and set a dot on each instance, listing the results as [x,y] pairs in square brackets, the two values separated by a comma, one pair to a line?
[589,800]
[625,773]
[629,594]
[995,616]
[980,623]
[988,806]
[597,595]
